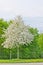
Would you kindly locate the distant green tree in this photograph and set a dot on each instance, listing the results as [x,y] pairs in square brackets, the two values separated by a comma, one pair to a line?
[35,49]
[40,42]
[31,50]
[34,31]
[3,26]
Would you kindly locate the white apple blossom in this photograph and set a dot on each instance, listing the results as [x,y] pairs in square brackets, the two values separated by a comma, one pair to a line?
[17,33]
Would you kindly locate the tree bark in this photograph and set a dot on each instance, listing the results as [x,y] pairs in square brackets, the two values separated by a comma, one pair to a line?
[10,54]
[17,51]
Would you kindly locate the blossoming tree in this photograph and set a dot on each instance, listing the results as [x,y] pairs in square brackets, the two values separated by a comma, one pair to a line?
[17,33]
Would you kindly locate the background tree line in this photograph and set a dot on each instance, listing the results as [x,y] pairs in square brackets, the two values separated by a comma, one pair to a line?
[29,51]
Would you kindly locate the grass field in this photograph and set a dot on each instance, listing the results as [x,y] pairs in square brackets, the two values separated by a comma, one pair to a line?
[21,61]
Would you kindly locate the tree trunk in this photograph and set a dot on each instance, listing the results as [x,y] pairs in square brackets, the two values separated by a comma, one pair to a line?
[17,51]
[10,54]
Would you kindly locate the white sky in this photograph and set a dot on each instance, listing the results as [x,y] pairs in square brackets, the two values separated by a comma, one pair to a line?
[25,8]
[31,8]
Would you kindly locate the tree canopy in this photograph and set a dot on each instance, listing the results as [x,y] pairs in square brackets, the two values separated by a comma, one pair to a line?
[17,33]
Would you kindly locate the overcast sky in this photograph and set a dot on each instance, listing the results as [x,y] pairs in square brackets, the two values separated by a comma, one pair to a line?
[31,8]
[25,8]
